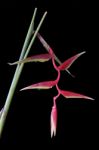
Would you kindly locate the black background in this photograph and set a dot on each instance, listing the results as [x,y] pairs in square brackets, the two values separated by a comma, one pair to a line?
[70,27]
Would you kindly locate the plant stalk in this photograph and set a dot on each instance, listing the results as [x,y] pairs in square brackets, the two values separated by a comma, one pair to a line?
[18,71]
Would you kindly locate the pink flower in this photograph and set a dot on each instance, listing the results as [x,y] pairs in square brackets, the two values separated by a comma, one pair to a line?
[53,120]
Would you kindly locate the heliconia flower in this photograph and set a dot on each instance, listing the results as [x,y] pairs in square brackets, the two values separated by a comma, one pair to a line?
[69,94]
[53,120]
[36,58]
[41,85]
[69,61]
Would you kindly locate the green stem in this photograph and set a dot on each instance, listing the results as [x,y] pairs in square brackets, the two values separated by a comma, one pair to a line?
[16,78]
[35,34]
[28,36]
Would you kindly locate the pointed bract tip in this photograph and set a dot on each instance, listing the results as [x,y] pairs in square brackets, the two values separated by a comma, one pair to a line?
[90,98]
[23,89]
[15,63]
[53,134]
[82,53]
[9,63]
[87,97]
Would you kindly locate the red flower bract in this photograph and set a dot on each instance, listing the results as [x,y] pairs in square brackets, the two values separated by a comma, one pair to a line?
[69,61]
[69,94]
[41,85]
[36,58]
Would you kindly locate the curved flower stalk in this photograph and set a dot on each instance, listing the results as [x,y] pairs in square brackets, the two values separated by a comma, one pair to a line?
[66,94]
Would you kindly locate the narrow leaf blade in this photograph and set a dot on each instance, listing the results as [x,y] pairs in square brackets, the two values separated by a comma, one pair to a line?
[70,61]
